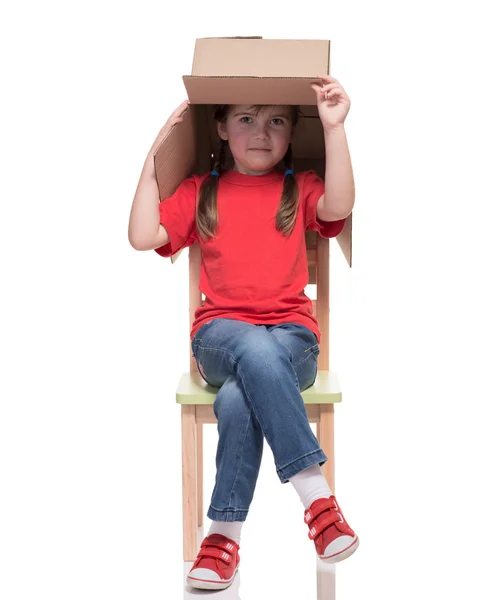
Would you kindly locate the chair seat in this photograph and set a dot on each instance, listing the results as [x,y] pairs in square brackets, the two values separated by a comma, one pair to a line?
[193,389]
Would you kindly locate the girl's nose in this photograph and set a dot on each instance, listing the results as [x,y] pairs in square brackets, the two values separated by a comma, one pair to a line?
[262,131]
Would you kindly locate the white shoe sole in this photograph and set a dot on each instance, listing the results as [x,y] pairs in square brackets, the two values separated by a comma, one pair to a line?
[208,584]
[334,558]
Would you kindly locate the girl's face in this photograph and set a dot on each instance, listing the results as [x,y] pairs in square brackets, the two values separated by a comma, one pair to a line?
[258,140]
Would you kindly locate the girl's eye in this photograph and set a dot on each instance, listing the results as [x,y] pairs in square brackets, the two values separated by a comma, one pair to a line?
[278,121]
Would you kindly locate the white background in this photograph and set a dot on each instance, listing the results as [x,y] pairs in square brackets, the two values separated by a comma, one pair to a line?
[94,334]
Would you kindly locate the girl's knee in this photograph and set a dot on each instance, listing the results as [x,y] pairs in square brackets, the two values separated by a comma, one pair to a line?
[230,403]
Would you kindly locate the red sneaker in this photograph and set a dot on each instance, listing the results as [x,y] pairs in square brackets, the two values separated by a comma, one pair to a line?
[216,563]
[333,537]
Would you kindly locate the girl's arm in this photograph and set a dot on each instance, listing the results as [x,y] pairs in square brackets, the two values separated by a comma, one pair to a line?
[144,231]
[333,105]
[339,196]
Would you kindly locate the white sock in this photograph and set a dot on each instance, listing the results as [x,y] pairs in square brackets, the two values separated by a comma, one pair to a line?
[311,484]
[231,529]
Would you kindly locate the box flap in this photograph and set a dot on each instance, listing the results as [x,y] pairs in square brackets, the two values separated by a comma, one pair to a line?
[175,157]
[344,239]
[250,90]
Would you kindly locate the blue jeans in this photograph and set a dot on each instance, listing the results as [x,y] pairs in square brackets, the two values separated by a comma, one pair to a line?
[260,370]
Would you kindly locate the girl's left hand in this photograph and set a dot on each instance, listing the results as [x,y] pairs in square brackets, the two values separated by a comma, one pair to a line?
[333,102]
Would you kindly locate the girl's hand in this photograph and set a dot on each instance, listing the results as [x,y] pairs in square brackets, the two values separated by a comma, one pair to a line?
[333,102]
[176,117]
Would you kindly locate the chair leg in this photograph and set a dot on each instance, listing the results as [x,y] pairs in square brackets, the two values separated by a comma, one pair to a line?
[199,437]
[326,573]
[189,482]
[325,435]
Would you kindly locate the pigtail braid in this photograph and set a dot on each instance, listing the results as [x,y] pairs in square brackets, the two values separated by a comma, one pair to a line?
[207,214]
[286,215]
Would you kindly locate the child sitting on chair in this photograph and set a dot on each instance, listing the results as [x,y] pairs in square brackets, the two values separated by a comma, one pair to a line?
[256,338]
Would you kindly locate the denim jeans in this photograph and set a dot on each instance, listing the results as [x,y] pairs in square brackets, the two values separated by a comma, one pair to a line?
[260,370]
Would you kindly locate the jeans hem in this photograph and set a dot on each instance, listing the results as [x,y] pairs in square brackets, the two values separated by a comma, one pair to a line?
[226,515]
[317,457]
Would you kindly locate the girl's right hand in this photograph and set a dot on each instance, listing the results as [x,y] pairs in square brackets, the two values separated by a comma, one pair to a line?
[176,117]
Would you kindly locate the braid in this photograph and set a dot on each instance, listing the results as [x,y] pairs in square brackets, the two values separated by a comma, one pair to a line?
[288,159]
[286,214]
[207,217]
[221,160]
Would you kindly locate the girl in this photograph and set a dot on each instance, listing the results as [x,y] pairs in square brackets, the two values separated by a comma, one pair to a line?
[255,338]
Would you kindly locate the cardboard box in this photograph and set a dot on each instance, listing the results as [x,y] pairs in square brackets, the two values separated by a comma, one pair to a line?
[247,70]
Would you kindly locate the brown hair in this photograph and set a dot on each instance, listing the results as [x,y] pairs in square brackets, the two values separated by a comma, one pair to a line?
[207,215]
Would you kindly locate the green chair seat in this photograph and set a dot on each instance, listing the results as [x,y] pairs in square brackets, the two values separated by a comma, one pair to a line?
[193,389]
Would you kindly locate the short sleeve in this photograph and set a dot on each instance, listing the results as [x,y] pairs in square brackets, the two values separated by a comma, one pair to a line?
[312,187]
[177,214]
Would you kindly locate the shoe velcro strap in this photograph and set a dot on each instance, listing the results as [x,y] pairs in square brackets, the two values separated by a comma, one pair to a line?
[215,553]
[324,523]
[227,546]
[313,514]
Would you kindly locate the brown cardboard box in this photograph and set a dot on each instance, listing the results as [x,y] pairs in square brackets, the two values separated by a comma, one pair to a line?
[248,70]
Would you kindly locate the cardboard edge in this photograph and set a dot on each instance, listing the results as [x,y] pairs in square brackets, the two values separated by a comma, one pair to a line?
[344,239]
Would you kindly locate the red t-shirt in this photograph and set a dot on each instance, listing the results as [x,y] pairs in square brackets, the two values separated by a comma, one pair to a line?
[250,272]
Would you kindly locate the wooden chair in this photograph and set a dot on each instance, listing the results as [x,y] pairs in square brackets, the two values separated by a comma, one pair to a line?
[197,397]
